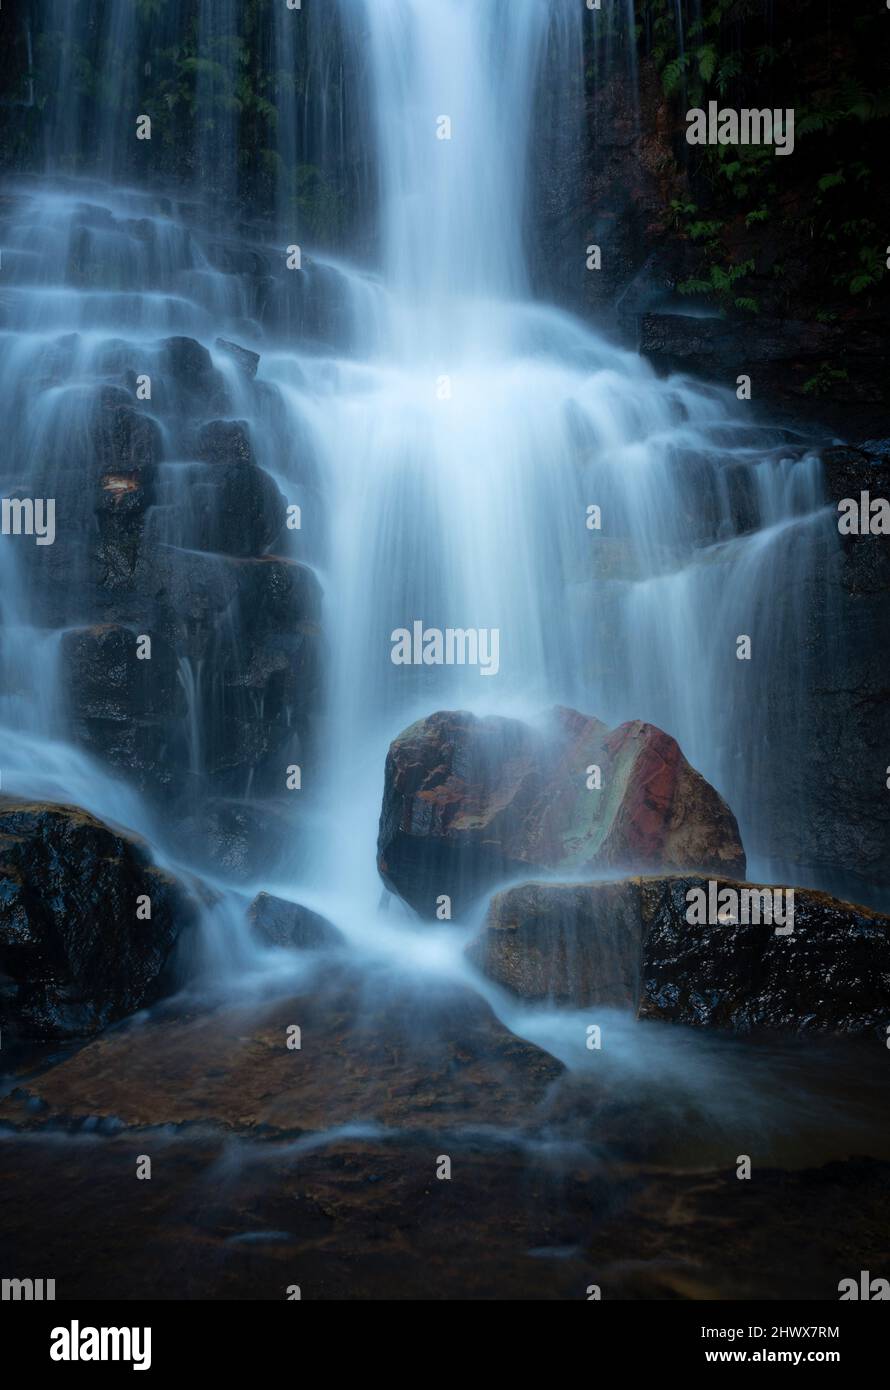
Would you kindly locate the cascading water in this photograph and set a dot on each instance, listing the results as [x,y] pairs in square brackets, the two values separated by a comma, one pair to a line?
[459,433]
[314,296]
[463,452]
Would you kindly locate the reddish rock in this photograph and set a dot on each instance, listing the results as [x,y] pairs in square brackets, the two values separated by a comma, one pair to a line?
[470,802]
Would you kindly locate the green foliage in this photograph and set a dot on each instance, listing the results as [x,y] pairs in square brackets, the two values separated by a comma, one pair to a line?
[826,377]
[729,68]
[721,283]
[727,53]
[871,270]
[674,71]
[707,59]
[704,231]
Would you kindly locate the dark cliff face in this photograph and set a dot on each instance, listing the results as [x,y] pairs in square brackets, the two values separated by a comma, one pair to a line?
[722,260]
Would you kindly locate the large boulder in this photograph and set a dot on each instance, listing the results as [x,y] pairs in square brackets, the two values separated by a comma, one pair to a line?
[74,955]
[245,636]
[629,944]
[469,802]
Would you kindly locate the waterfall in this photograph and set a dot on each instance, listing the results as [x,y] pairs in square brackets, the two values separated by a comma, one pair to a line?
[447,435]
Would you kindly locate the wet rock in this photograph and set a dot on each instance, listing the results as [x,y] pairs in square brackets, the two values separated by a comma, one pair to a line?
[248,361]
[469,802]
[373,1051]
[58,358]
[844,646]
[74,956]
[101,470]
[224,441]
[262,644]
[125,710]
[784,357]
[234,507]
[246,636]
[314,304]
[126,441]
[830,975]
[188,379]
[280,923]
[238,838]
[188,361]
[573,944]
[629,944]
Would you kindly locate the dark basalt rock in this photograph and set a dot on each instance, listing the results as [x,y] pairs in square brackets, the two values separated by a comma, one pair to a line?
[188,360]
[126,440]
[248,361]
[234,507]
[241,839]
[846,846]
[128,711]
[628,944]
[830,975]
[74,957]
[280,923]
[468,802]
[782,355]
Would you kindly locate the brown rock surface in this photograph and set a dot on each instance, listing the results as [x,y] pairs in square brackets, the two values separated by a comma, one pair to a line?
[372,1050]
[628,943]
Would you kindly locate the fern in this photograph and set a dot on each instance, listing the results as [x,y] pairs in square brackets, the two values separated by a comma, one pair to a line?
[673,74]
[707,62]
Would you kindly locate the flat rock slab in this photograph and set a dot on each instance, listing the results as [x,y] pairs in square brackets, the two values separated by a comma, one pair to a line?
[372,1051]
[368,1220]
